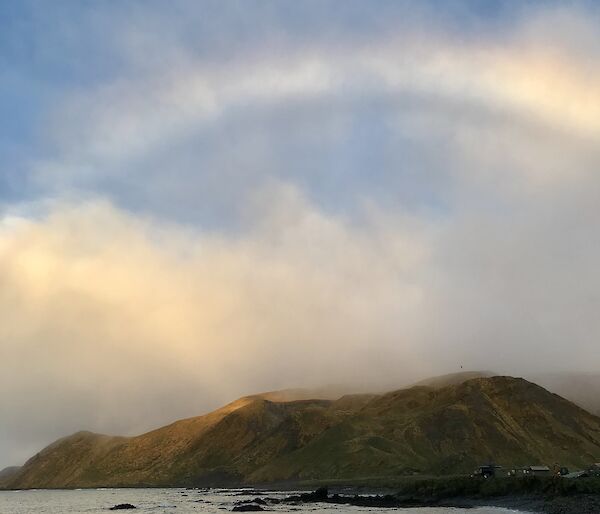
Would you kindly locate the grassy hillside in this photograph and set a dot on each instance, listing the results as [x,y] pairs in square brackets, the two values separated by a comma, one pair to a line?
[8,474]
[581,388]
[454,378]
[448,430]
[431,430]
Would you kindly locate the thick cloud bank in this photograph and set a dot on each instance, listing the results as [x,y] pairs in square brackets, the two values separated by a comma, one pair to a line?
[361,199]
[120,323]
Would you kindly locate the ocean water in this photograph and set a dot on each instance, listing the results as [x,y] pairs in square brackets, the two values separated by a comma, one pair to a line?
[178,501]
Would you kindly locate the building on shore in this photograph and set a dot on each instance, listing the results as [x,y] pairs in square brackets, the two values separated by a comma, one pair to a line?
[486,471]
[538,471]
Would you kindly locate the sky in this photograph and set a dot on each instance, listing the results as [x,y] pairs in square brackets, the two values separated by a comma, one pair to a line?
[204,199]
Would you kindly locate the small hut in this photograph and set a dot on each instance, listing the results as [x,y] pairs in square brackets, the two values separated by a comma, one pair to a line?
[538,471]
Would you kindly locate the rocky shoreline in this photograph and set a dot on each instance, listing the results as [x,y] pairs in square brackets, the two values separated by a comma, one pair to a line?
[565,504]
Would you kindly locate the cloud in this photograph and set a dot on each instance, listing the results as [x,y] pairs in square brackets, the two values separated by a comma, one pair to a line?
[369,206]
[119,323]
[130,116]
[186,137]
[109,312]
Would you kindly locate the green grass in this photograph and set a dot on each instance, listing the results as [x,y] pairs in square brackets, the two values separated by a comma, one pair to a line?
[461,487]
[378,441]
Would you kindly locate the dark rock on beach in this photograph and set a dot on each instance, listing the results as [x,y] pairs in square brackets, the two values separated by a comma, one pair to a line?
[123,506]
[321,495]
[257,501]
[249,507]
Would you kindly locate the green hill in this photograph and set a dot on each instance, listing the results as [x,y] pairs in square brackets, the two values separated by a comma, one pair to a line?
[8,474]
[581,388]
[454,378]
[430,430]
